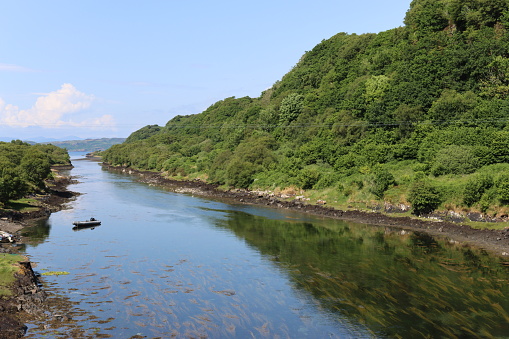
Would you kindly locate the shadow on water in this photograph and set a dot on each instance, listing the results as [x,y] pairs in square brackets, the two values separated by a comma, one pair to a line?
[397,283]
[38,232]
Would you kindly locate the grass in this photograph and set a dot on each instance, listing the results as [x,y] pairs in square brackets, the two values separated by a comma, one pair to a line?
[22,205]
[352,191]
[8,266]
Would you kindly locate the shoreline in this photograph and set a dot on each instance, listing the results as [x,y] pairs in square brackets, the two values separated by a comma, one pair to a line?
[28,299]
[496,242]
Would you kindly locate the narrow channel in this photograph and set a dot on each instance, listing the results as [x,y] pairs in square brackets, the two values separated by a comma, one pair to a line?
[172,265]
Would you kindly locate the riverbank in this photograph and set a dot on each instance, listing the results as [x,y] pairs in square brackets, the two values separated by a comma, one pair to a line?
[27,299]
[493,241]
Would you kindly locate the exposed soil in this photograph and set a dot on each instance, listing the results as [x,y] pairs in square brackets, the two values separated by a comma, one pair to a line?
[28,299]
[493,241]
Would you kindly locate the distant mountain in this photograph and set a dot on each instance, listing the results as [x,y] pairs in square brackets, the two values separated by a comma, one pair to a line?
[40,140]
[46,140]
[87,145]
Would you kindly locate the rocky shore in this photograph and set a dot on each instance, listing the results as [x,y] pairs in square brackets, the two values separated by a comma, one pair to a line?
[27,299]
[494,241]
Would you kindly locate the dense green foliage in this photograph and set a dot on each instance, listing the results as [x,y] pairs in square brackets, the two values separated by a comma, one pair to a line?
[424,197]
[23,168]
[429,99]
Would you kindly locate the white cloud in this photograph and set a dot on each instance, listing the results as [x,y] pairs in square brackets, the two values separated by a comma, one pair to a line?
[14,68]
[54,110]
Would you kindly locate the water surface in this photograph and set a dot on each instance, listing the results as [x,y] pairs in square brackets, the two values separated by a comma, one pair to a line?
[172,265]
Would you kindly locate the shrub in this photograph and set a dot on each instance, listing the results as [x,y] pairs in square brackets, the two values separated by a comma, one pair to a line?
[382,180]
[454,159]
[487,200]
[308,177]
[424,197]
[503,189]
[327,180]
[475,188]
[240,173]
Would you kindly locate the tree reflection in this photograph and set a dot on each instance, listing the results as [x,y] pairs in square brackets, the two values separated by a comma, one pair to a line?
[37,233]
[398,283]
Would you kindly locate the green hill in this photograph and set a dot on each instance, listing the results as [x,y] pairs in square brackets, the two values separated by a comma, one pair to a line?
[87,145]
[415,115]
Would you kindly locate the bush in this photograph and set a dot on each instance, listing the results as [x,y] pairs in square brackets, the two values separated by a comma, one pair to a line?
[381,182]
[455,159]
[487,200]
[503,189]
[240,173]
[475,188]
[308,177]
[424,197]
[327,180]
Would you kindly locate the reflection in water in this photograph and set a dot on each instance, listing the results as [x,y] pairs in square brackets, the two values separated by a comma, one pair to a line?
[38,232]
[408,285]
[84,228]
[168,265]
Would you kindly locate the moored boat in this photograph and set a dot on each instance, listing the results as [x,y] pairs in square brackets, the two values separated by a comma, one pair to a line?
[87,223]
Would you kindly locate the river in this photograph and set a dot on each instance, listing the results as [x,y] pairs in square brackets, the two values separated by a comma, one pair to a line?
[166,265]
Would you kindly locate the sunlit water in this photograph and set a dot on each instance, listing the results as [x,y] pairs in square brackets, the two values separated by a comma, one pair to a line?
[170,265]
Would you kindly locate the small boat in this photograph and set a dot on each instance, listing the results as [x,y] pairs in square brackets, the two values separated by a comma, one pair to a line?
[6,237]
[87,223]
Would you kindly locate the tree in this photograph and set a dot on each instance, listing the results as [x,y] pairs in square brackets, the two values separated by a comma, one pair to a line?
[290,108]
[426,16]
[11,184]
[453,105]
[424,197]
[143,133]
[35,167]
[454,159]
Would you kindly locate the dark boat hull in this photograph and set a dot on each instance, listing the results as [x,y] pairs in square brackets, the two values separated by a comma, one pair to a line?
[86,223]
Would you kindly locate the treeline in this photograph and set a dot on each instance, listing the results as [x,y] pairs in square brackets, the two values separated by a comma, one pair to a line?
[87,145]
[417,114]
[23,167]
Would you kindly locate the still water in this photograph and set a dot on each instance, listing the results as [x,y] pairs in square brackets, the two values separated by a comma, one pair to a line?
[166,265]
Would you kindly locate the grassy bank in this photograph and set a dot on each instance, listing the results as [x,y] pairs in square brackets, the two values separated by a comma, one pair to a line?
[8,267]
[359,190]
[22,205]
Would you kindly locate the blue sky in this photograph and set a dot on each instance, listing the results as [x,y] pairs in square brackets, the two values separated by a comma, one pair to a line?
[90,68]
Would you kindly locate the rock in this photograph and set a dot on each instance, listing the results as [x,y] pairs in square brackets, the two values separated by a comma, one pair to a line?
[11,329]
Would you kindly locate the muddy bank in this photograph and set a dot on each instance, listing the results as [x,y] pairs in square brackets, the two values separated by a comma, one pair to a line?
[28,299]
[493,241]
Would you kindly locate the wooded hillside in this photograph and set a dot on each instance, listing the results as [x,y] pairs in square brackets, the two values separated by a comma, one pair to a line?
[417,114]
[24,167]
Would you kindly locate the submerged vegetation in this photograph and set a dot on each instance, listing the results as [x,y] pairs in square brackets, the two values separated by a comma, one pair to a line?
[414,115]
